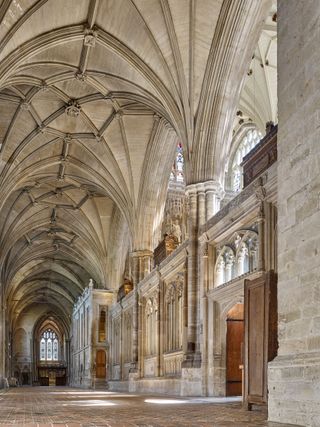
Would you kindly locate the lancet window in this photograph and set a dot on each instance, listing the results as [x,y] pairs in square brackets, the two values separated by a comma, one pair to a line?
[177,173]
[49,346]
[102,326]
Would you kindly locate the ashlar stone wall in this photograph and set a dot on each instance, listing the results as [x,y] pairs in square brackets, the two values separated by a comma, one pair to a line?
[294,376]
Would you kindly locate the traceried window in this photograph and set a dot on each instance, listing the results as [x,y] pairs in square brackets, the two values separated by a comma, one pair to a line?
[177,173]
[49,346]
[250,140]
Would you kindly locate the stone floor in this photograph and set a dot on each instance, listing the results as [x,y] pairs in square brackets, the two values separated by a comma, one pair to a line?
[62,406]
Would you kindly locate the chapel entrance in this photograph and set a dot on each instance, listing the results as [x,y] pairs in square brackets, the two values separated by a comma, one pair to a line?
[234,359]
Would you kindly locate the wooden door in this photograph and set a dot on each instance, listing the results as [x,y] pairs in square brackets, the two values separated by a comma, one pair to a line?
[101,364]
[235,337]
[260,335]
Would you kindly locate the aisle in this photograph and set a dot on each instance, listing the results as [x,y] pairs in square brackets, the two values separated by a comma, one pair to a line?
[63,406]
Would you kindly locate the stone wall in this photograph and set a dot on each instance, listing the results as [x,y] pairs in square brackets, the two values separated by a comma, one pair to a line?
[294,377]
[2,347]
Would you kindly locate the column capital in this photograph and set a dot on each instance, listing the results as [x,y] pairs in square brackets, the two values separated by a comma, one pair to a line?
[212,186]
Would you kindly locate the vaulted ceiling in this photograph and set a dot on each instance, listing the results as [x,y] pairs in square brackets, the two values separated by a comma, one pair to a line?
[258,101]
[94,96]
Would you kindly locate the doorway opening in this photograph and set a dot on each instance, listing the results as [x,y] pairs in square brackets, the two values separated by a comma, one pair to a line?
[50,352]
[234,349]
[101,364]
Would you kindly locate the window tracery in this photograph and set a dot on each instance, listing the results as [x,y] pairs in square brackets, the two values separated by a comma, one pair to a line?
[49,346]
[177,173]
[237,257]
[248,142]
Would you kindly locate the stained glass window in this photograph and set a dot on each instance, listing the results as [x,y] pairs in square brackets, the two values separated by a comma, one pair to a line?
[49,346]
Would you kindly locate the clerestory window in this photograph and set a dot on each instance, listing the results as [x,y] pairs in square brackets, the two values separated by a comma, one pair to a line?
[177,173]
[250,140]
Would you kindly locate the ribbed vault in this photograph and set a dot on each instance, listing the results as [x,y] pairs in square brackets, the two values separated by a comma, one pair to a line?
[94,97]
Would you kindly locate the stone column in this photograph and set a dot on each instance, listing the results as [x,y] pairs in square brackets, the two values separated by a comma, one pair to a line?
[261,232]
[229,265]
[2,342]
[203,277]
[68,359]
[294,376]
[241,258]
[192,272]
[160,326]
[214,194]
[219,276]
[204,202]
[141,265]
[270,237]
[135,315]
[121,345]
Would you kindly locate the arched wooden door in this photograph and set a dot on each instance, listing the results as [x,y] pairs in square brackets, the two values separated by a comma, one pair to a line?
[101,364]
[235,339]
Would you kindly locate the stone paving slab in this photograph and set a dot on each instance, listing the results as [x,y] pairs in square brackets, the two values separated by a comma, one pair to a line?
[67,407]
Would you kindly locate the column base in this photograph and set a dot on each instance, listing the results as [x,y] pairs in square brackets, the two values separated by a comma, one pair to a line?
[133,380]
[294,389]
[191,382]
[191,375]
[133,377]
[192,360]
